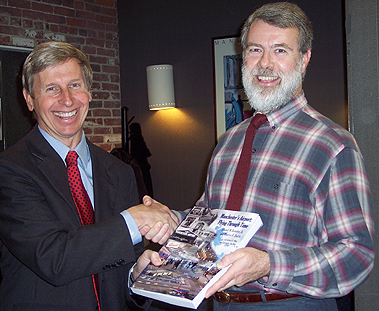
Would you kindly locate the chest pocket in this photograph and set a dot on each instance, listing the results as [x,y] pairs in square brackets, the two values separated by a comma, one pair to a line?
[285,209]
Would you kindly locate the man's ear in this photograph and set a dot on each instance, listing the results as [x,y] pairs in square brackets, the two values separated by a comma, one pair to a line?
[28,99]
[306,59]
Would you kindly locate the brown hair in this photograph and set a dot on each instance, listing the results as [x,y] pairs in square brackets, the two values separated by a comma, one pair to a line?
[282,15]
[52,54]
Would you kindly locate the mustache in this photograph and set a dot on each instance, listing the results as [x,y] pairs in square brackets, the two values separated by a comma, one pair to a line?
[263,72]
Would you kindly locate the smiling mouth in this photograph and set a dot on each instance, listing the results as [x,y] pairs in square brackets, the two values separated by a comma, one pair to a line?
[267,78]
[65,115]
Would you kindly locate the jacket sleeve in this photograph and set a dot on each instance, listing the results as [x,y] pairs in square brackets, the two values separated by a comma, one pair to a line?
[42,230]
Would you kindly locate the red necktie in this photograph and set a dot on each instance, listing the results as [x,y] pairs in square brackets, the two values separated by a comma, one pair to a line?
[238,187]
[82,202]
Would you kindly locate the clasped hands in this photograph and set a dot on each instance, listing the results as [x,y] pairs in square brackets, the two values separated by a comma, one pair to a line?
[155,221]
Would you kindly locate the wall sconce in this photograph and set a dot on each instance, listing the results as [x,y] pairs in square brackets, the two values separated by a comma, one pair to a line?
[160,87]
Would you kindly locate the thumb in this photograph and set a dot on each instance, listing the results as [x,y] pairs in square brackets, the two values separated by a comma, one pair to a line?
[147,200]
[147,257]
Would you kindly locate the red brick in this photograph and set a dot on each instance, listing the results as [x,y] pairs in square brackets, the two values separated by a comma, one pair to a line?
[100,95]
[112,104]
[117,130]
[4,20]
[46,8]
[68,3]
[96,104]
[76,22]
[109,11]
[110,3]
[96,139]
[20,4]
[73,30]
[106,147]
[79,5]
[96,86]
[85,15]
[11,11]
[102,130]
[111,45]
[75,40]
[96,68]
[106,52]
[88,130]
[68,12]
[27,23]
[100,77]
[92,7]
[11,30]
[116,113]
[98,59]
[115,78]
[5,39]
[111,69]
[96,25]
[116,95]
[112,28]
[112,121]
[104,19]
[38,25]
[101,35]
[101,113]
[89,49]
[97,121]
[110,87]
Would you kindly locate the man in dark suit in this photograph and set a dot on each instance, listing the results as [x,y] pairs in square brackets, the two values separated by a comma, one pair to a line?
[49,258]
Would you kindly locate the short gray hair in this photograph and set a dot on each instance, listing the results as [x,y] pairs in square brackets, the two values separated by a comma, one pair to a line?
[50,54]
[282,15]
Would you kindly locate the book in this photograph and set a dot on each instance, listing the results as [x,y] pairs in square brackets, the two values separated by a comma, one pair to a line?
[190,255]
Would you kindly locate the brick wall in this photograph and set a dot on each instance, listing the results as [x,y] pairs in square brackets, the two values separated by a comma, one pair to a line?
[89,25]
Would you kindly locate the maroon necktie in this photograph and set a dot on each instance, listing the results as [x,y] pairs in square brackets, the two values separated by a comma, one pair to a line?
[82,202]
[238,187]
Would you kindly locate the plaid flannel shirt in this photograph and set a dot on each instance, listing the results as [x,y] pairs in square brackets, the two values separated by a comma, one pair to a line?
[307,181]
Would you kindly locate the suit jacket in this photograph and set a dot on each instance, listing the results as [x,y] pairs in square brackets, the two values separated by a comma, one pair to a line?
[47,256]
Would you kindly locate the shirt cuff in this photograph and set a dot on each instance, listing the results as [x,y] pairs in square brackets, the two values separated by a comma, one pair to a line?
[132,226]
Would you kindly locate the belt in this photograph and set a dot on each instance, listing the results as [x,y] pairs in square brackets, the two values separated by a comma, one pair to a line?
[225,297]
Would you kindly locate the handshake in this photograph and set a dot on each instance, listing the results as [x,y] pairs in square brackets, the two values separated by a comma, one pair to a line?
[155,221]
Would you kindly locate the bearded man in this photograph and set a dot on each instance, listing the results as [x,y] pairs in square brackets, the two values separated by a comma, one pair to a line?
[306,179]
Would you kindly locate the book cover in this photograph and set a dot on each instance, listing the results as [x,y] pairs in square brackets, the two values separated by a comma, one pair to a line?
[190,255]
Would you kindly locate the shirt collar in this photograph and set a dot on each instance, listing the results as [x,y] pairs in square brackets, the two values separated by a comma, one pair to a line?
[277,117]
[82,148]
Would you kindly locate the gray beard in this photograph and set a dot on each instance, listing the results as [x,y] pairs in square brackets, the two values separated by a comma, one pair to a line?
[264,99]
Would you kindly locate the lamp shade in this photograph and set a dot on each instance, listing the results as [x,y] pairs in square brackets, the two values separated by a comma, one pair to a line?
[160,87]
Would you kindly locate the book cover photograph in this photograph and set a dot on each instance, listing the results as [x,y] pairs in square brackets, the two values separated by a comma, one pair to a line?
[190,255]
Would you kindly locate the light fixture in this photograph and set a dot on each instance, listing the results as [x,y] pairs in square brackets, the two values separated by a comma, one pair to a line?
[160,87]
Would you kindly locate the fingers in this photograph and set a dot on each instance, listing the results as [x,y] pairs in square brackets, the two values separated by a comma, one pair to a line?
[159,233]
[247,264]
[147,257]
[151,214]
[226,281]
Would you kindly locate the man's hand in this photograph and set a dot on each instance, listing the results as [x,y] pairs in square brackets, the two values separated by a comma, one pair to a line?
[147,257]
[155,221]
[247,264]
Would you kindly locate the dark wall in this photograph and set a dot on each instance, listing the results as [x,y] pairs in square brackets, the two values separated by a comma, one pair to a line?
[180,33]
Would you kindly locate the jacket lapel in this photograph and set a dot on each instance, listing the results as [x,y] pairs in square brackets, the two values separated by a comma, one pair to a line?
[51,165]
[104,183]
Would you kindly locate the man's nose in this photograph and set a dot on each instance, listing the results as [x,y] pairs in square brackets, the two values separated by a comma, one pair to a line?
[266,61]
[66,97]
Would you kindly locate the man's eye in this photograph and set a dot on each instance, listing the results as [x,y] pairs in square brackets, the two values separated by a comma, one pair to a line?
[253,50]
[75,85]
[281,51]
[51,89]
